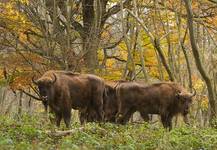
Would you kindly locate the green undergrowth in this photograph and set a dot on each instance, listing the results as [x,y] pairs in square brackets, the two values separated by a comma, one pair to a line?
[31,132]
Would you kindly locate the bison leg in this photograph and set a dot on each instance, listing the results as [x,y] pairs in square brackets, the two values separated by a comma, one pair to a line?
[186,120]
[55,117]
[163,120]
[166,121]
[51,116]
[98,105]
[122,111]
[67,117]
[81,118]
[169,120]
[145,116]
[128,115]
[83,115]
[124,116]
[58,119]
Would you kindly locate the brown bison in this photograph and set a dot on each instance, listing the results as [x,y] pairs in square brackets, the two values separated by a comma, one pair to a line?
[165,99]
[65,90]
[88,114]
[110,103]
[110,107]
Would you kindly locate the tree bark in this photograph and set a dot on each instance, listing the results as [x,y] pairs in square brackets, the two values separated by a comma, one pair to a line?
[89,50]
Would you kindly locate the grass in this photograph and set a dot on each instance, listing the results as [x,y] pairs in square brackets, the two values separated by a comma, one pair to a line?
[29,132]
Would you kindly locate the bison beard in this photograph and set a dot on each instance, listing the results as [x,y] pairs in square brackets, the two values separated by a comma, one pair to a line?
[65,90]
[165,99]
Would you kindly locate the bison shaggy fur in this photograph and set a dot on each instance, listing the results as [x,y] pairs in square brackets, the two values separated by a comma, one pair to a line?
[65,90]
[166,99]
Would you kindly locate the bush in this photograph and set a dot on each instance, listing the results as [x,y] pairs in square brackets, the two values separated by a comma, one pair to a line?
[29,132]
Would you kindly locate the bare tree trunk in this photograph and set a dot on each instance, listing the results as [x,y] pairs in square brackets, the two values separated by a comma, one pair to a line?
[130,65]
[20,104]
[92,28]
[89,51]
[3,93]
[160,67]
[163,60]
[182,46]
[156,43]
[141,56]
[190,85]
[68,29]
[166,28]
[141,53]
[198,61]
[30,104]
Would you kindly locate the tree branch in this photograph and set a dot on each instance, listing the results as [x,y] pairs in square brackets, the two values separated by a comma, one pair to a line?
[64,133]
[115,9]
[122,60]
[30,95]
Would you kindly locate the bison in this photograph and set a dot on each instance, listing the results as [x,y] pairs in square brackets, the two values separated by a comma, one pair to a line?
[110,107]
[64,90]
[166,99]
[110,103]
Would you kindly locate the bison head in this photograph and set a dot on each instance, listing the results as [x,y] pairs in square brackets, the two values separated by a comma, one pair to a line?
[110,103]
[185,100]
[44,85]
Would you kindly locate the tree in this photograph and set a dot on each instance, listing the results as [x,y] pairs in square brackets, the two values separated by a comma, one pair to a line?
[198,61]
[94,15]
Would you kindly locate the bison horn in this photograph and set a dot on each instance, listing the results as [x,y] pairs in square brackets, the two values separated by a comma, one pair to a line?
[34,81]
[194,92]
[55,78]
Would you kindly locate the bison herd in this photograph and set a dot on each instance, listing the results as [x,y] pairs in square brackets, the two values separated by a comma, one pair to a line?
[98,101]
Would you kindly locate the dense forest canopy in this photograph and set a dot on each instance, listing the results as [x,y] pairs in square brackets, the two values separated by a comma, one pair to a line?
[142,40]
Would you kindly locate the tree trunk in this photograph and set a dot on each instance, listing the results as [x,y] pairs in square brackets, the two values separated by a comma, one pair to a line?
[182,46]
[92,25]
[140,49]
[20,103]
[166,29]
[156,43]
[130,65]
[160,52]
[88,47]
[198,61]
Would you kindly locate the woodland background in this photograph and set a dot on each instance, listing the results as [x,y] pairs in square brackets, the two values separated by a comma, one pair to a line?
[147,40]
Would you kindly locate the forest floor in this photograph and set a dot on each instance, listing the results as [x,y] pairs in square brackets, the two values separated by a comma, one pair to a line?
[33,132]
